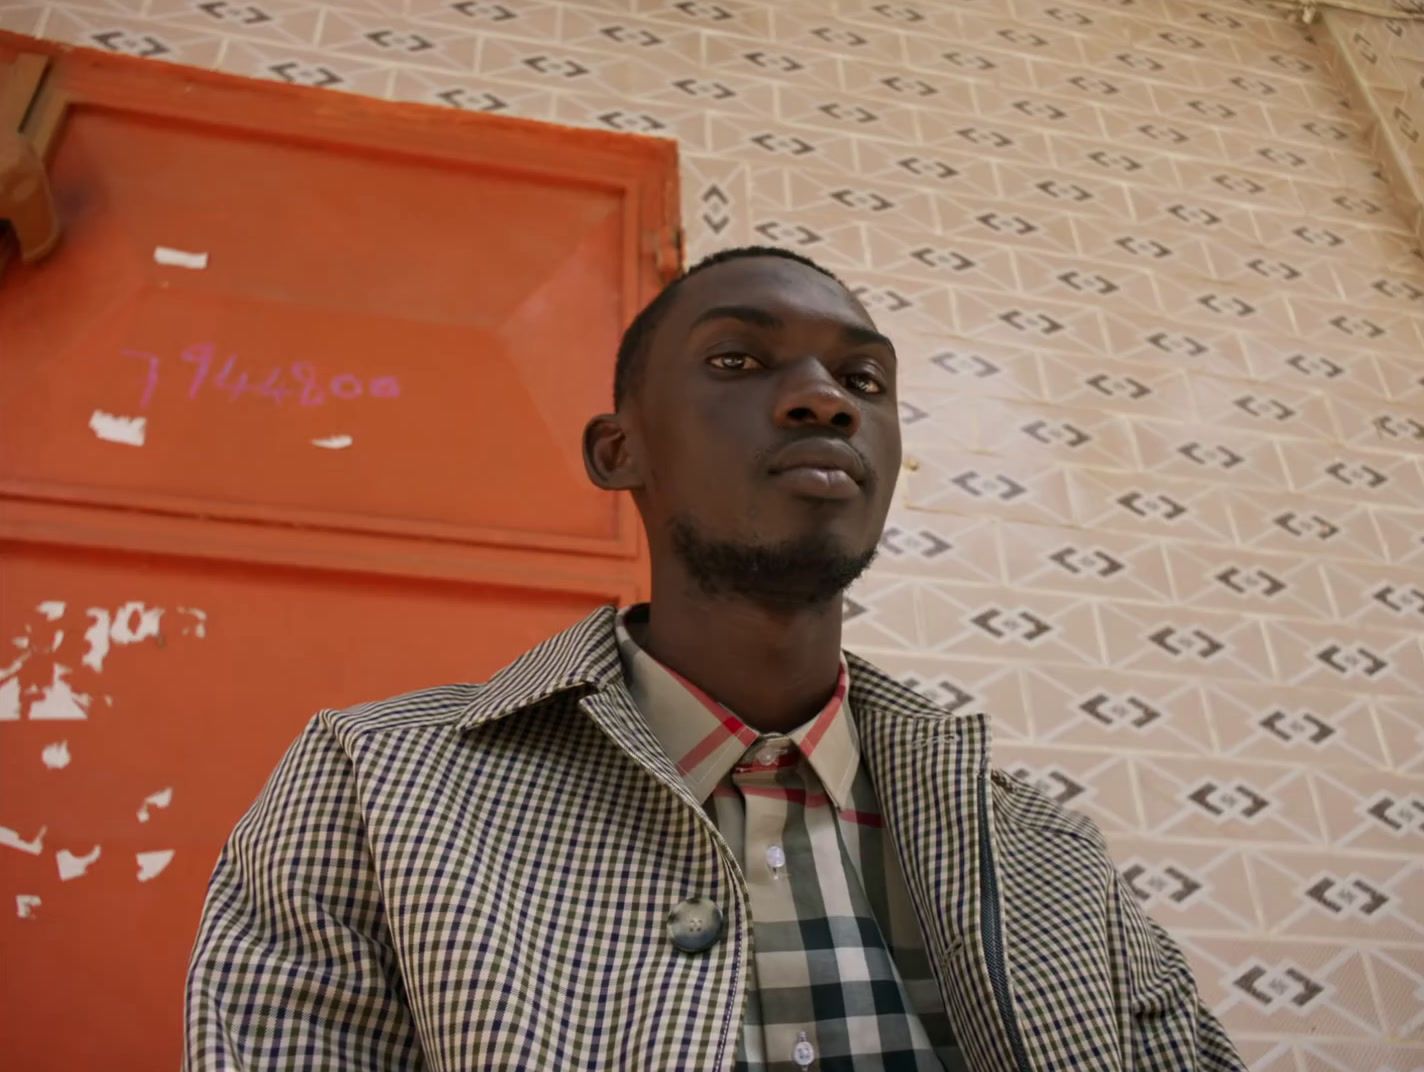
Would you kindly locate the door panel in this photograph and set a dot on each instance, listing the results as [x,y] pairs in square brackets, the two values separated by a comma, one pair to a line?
[289,420]
[343,291]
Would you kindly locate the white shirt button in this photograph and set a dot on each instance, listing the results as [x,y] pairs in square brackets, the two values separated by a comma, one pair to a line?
[803,1053]
[771,751]
[775,859]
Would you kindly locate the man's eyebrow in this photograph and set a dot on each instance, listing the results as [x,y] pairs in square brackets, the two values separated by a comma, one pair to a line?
[868,337]
[751,314]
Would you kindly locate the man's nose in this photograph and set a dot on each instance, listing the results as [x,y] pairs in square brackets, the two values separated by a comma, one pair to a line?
[811,396]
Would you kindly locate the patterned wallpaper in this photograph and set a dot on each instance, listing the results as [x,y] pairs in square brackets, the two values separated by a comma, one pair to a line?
[1151,265]
[1381,62]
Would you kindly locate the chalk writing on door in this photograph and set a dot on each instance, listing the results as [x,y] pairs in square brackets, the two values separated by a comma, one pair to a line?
[199,372]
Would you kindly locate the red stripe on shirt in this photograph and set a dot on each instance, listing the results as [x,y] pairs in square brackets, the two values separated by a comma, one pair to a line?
[704,748]
[826,717]
[863,818]
[734,726]
[793,796]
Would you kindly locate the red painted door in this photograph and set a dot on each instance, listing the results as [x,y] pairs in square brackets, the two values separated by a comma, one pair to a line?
[289,420]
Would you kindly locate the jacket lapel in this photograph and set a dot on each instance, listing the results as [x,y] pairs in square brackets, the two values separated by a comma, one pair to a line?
[613,710]
[930,771]
[594,777]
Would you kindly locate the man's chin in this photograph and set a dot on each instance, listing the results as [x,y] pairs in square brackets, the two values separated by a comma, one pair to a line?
[802,572]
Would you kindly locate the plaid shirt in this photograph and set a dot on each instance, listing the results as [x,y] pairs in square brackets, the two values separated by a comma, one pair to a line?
[839,974]
[478,876]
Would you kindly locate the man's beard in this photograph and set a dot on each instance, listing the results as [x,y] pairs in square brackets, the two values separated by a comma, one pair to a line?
[805,572]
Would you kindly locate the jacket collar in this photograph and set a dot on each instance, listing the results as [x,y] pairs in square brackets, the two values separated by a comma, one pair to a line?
[585,657]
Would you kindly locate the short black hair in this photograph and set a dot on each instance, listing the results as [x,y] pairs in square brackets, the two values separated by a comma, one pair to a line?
[632,348]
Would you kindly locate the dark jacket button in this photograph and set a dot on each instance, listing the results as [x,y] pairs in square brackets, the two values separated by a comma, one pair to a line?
[695,924]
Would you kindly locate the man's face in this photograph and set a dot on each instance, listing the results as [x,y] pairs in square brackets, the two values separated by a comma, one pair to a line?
[767,431]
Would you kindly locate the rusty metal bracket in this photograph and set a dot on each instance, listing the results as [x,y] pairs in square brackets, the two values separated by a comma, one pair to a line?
[30,114]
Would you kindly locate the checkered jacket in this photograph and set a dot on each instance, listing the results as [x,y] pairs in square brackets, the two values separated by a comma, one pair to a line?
[478,876]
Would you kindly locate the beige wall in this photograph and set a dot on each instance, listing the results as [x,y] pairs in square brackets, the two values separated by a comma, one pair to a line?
[1162,332]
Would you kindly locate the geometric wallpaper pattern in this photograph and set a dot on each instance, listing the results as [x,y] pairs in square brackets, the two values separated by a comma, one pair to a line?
[1153,270]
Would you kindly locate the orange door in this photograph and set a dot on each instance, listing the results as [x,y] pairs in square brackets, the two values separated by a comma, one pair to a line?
[289,420]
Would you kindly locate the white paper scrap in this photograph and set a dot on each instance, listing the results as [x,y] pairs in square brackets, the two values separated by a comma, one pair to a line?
[56,756]
[116,429]
[25,905]
[336,442]
[177,258]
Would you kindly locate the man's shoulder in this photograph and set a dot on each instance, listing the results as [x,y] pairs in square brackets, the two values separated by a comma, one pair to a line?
[581,654]
[1024,804]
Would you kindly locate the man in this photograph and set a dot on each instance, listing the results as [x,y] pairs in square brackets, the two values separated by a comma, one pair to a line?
[691,834]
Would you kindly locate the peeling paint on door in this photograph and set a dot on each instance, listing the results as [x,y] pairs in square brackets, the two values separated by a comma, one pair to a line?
[160,799]
[10,839]
[71,866]
[151,864]
[59,701]
[37,685]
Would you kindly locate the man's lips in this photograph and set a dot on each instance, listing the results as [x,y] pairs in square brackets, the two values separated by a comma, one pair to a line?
[825,456]
[811,482]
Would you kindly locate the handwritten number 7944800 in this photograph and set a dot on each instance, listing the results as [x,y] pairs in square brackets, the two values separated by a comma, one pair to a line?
[300,379]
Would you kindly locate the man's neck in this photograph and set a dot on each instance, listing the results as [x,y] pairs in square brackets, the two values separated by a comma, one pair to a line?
[773,667]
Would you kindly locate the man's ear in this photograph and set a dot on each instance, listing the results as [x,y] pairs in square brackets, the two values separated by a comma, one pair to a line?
[606,456]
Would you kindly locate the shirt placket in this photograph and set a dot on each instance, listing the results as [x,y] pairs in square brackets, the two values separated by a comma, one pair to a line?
[773,864]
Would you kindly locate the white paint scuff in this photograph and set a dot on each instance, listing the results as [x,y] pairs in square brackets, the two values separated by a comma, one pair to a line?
[56,756]
[97,637]
[336,442]
[160,799]
[71,866]
[178,258]
[116,429]
[11,839]
[25,905]
[10,700]
[130,623]
[134,622]
[151,864]
[59,702]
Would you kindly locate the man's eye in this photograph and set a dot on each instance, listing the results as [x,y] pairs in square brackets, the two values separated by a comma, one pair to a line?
[736,362]
[865,383]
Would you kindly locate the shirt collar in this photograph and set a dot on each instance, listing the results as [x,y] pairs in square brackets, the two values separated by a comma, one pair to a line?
[705,739]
